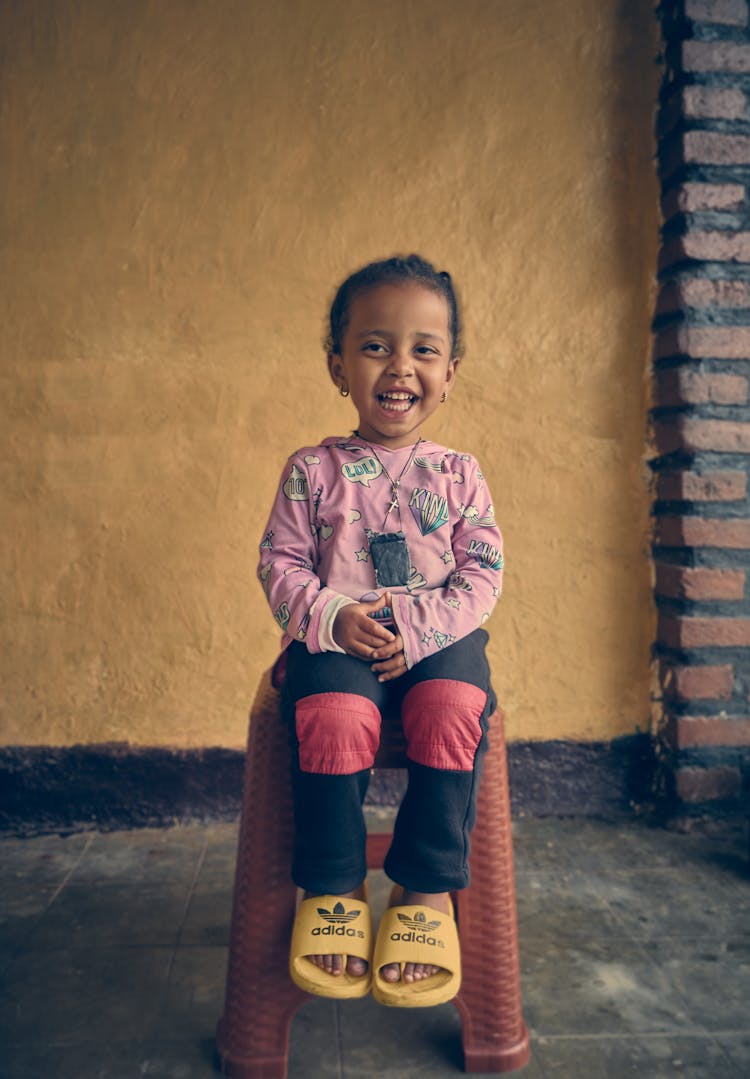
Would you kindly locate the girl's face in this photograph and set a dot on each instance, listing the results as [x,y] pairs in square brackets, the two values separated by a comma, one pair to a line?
[395,360]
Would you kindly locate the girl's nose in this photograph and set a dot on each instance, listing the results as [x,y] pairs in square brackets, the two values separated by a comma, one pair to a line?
[400,365]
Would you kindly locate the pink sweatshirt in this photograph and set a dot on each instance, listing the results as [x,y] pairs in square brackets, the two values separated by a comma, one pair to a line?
[315,553]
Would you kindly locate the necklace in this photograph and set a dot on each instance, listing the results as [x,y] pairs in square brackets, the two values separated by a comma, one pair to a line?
[389,550]
[395,484]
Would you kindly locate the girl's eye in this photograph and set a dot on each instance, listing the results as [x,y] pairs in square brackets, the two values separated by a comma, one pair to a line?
[426,350]
[374,346]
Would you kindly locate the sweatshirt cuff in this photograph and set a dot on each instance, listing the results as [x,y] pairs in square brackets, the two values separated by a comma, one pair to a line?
[400,608]
[322,639]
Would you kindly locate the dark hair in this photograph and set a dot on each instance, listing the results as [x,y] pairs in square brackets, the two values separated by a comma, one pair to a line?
[390,271]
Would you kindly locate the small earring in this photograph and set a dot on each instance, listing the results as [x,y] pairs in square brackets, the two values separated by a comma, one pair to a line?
[443,397]
[344,390]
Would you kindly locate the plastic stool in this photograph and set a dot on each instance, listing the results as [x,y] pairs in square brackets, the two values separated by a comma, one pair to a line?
[261,999]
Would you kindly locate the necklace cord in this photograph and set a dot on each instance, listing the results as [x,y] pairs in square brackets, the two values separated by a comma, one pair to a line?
[394,503]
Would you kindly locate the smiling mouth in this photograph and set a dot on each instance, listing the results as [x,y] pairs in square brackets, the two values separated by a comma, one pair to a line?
[396,402]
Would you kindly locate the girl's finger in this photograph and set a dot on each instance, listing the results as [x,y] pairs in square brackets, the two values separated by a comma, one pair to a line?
[390,668]
[386,651]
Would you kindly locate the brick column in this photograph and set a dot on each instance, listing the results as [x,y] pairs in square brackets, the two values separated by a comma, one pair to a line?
[702,411]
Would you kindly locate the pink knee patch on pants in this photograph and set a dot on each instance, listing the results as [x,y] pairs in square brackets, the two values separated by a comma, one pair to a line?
[441,723]
[338,733]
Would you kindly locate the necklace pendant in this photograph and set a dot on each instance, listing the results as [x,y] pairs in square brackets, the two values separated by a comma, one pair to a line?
[393,504]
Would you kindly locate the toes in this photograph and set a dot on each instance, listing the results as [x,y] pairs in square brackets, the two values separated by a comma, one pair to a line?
[334,964]
[417,972]
[356,967]
[391,972]
[331,964]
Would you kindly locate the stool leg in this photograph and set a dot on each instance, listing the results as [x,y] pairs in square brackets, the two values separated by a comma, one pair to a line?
[261,999]
[495,1038]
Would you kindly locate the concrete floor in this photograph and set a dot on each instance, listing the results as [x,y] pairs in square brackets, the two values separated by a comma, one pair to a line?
[635,949]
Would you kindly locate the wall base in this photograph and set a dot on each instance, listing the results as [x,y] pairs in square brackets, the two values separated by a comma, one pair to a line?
[114,786]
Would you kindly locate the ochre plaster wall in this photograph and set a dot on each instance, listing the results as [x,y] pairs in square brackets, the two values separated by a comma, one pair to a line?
[183,184]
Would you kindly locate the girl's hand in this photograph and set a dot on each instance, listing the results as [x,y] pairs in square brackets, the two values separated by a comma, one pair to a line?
[357,633]
[391,660]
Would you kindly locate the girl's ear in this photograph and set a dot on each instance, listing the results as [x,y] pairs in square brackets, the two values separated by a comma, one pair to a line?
[450,377]
[335,368]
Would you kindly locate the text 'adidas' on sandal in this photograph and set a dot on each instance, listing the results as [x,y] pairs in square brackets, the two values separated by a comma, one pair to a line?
[417,934]
[330,925]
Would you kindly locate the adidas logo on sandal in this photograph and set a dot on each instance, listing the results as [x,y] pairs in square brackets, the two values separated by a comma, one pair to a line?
[419,930]
[338,918]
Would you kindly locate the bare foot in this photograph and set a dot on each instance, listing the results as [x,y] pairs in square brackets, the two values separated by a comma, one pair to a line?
[417,972]
[334,964]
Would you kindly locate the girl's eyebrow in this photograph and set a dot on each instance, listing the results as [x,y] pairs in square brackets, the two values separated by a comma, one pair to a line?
[387,333]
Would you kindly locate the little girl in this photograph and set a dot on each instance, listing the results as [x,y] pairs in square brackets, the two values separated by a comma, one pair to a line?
[381,559]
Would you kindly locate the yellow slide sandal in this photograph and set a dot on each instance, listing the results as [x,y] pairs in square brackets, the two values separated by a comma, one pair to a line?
[417,934]
[330,925]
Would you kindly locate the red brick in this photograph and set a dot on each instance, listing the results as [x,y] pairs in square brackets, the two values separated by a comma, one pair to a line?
[690,292]
[714,148]
[713,731]
[695,583]
[681,386]
[702,102]
[712,632]
[695,785]
[728,12]
[726,56]
[723,293]
[700,292]
[705,487]
[695,197]
[692,198]
[706,247]
[721,436]
[691,434]
[703,532]
[700,683]
[710,246]
[717,246]
[699,342]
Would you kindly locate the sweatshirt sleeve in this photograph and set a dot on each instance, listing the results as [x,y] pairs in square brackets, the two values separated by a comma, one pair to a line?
[300,602]
[431,620]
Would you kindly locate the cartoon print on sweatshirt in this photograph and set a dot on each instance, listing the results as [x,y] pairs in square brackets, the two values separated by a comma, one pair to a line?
[331,493]
[282,614]
[487,555]
[425,462]
[473,516]
[295,486]
[457,580]
[429,509]
[441,639]
[363,470]
[416,580]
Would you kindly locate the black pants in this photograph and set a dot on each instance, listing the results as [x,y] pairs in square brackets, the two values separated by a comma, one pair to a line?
[333,704]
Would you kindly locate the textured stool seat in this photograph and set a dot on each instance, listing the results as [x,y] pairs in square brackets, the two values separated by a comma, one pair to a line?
[261,999]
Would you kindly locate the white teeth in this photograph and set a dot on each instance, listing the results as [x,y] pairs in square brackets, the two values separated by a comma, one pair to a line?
[396,401]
